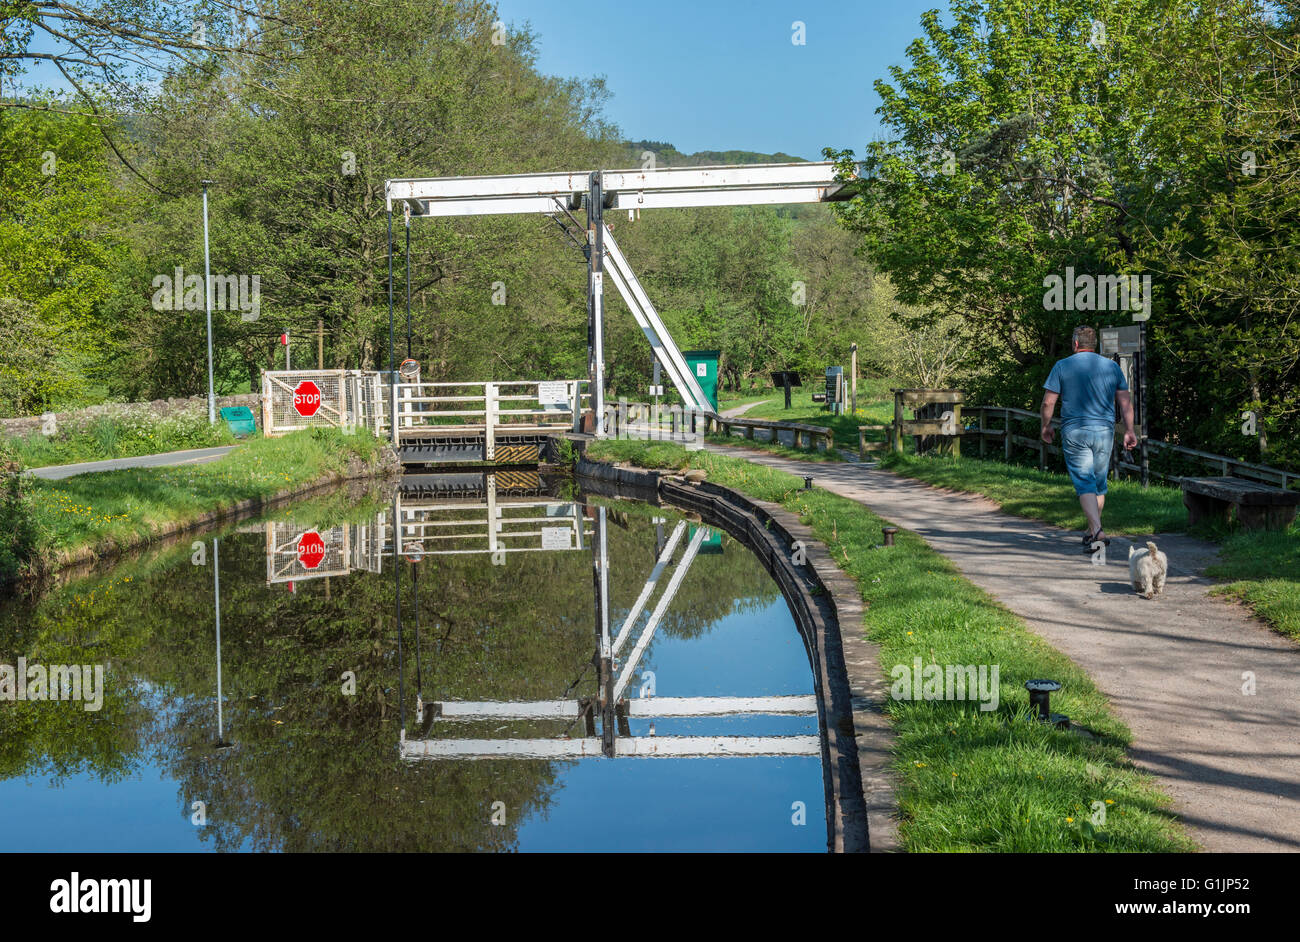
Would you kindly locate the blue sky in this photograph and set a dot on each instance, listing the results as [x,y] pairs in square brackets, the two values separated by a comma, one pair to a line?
[709,75]
[722,74]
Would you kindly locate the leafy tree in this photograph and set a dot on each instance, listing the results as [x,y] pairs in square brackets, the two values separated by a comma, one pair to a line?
[59,250]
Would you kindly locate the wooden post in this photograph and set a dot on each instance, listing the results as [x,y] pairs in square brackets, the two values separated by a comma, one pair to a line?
[853,356]
[898,421]
[983,429]
[1006,435]
[956,419]
[320,343]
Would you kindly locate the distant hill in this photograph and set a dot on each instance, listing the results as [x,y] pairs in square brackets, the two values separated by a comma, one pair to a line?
[668,156]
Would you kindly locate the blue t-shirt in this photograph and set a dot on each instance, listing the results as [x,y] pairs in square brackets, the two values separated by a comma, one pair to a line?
[1086,383]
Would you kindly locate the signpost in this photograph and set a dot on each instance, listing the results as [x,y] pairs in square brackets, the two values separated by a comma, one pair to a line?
[306,398]
[311,549]
[835,389]
[787,380]
[1127,346]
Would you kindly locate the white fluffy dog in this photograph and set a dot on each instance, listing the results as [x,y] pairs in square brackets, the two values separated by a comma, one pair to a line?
[1147,569]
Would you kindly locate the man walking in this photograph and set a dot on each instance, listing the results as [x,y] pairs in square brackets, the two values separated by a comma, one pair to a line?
[1089,387]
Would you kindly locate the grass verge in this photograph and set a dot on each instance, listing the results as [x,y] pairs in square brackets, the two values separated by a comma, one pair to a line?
[776,448]
[114,509]
[871,411]
[970,780]
[1263,570]
[1046,495]
[124,433]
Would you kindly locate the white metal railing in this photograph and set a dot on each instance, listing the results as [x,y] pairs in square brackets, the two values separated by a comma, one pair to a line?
[365,399]
[521,405]
[430,528]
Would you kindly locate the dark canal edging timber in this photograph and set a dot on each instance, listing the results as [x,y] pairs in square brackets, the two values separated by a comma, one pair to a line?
[76,562]
[849,687]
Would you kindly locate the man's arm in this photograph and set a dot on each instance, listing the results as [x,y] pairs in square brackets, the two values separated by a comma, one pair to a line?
[1124,399]
[1045,415]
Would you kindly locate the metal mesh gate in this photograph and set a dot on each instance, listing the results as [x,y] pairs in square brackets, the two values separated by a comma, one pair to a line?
[280,414]
[283,563]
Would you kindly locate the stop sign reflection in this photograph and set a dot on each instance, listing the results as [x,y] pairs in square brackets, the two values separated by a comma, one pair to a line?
[311,549]
[306,398]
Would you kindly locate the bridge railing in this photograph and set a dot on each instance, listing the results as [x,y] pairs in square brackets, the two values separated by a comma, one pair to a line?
[485,407]
[363,399]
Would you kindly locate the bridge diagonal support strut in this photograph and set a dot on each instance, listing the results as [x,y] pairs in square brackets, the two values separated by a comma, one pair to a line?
[643,642]
[639,605]
[647,318]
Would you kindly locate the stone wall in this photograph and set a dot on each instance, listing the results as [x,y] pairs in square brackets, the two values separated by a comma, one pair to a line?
[159,407]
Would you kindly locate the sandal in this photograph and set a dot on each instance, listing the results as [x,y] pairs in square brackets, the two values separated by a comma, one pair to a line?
[1099,536]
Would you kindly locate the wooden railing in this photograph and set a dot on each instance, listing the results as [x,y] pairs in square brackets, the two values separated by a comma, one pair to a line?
[1009,440]
[809,436]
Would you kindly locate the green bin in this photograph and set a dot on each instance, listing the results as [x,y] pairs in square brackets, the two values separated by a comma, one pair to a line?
[703,365]
[240,420]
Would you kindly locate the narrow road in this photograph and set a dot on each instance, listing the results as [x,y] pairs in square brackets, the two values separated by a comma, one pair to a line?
[193,456]
[1175,668]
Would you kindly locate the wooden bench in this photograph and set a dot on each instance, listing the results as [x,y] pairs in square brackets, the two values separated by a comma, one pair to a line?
[1257,506]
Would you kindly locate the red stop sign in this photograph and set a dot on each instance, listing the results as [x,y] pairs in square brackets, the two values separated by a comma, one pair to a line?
[306,398]
[311,549]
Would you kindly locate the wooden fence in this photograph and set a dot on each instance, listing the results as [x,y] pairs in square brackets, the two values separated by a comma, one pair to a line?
[1163,456]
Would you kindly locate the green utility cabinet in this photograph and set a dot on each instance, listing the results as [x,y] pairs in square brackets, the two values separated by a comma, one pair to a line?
[703,365]
[711,545]
[240,420]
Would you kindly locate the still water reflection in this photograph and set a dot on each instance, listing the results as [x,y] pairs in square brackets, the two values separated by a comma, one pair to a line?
[308,722]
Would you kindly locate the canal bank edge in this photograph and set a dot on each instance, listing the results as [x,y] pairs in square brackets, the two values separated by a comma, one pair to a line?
[858,745]
[385,466]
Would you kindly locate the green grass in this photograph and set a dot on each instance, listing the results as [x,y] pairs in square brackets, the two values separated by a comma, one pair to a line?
[1046,495]
[872,410]
[776,448]
[119,434]
[119,508]
[1263,570]
[969,780]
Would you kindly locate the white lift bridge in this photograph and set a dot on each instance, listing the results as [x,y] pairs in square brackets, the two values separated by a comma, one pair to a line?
[559,195]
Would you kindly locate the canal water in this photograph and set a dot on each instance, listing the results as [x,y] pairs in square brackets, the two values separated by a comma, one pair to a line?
[462,731]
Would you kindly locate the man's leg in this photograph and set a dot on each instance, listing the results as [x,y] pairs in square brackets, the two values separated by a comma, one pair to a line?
[1102,442]
[1091,504]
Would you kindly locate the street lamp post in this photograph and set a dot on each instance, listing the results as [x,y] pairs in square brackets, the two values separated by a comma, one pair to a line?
[207,304]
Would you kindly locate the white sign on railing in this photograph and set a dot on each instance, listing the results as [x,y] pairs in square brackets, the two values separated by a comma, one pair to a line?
[554,396]
[557,538]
